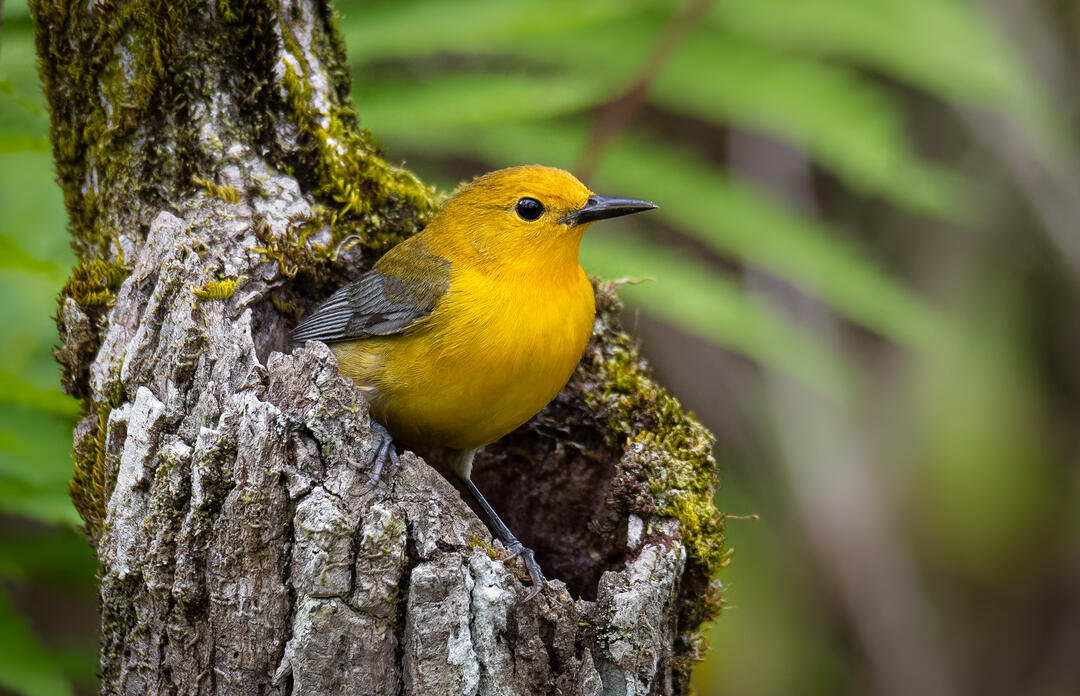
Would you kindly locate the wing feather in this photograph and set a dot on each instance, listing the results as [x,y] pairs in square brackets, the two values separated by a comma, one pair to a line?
[404,287]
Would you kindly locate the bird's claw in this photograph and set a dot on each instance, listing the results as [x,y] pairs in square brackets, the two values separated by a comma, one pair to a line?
[382,451]
[516,548]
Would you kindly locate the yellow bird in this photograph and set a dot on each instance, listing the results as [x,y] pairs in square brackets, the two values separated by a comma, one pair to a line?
[463,332]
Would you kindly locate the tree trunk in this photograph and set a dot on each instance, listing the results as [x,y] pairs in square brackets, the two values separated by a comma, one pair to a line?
[214,172]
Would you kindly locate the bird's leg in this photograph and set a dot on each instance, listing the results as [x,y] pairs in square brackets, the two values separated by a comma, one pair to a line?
[460,461]
[383,450]
[507,537]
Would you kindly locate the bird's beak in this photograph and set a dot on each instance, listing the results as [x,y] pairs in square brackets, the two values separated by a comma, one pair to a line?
[602,207]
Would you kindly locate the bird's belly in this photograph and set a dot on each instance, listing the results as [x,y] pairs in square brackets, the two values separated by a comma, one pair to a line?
[467,380]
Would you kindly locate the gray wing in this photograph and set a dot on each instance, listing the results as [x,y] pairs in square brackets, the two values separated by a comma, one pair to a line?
[401,290]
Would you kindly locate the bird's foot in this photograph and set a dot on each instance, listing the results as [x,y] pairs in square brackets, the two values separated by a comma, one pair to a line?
[383,452]
[516,548]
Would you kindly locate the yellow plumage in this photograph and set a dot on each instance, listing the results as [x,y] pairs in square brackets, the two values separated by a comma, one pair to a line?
[509,331]
[484,362]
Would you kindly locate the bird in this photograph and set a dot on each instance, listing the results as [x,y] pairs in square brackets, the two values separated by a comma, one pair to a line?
[463,332]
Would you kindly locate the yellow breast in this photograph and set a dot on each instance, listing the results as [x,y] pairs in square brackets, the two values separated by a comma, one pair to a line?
[496,350]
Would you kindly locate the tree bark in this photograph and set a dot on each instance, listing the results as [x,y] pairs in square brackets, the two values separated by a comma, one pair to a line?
[215,176]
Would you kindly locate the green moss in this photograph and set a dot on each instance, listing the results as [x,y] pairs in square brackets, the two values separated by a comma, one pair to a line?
[361,193]
[122,625]
[678,449]
[668,469]
[289,309]
[223,192]
[93,283]
[478,543]
[292,251]
[224,8]
[87,486]
[101,75]
[94,477]
[221,289]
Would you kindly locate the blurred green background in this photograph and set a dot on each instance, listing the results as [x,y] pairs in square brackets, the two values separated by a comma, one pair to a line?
[864,276]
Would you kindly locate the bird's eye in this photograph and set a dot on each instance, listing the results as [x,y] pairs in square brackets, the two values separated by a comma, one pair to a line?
[529,209]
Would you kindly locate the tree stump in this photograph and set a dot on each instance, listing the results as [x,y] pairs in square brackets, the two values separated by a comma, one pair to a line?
[218,186]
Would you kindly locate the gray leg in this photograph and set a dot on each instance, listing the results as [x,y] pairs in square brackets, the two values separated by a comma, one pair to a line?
[507,537]
[382,452]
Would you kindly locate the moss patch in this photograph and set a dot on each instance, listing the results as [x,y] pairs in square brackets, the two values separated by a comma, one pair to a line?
[93,283]
[674,451]
[478,543]
[102,69]
[221,289]
[285,307]
[668,469]
[223,192]
[94,476]
[362,195]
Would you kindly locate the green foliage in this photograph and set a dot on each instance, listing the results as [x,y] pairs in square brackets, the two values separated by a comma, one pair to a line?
[22,125]
[949,48]
[36,418]
[688,294]
[25,666]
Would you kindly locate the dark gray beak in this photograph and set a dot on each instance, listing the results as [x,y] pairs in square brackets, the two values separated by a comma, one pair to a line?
[603,207]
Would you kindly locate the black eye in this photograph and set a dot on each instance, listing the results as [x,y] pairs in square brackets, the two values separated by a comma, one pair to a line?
[529,209]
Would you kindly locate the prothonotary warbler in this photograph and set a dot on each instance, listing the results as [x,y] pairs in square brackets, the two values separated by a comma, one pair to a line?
[466,330]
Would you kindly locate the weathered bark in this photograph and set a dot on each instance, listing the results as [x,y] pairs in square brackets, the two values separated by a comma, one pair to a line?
[212,170]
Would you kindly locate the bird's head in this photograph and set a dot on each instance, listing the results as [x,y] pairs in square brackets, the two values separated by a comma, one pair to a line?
[529,213]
